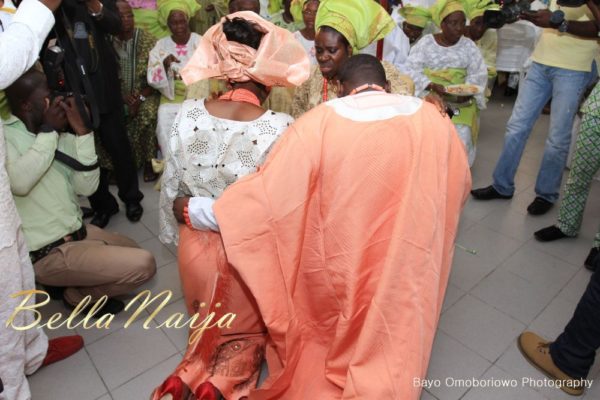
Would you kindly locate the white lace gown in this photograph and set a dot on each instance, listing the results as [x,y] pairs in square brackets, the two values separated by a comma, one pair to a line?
[207,154]
[427,53]
[164,81]
[22,351]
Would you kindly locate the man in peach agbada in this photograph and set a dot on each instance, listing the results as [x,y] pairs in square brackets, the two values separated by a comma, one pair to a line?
[345,238]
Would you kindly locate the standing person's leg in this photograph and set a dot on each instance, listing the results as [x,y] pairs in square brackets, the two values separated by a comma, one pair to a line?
[534,92]
[568,86]
[22,351]
[586,163]
[114,139]
[568,359]
[575,349]
[103,264]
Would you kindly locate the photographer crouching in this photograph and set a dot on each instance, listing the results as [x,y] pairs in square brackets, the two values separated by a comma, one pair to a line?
[91,69]
[47,170]
[561,70]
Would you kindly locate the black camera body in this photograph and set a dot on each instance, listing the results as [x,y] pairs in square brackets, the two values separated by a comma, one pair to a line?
[509,12]
[65,63]
[52,60]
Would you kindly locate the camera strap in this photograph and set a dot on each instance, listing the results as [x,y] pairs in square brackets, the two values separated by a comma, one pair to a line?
[81,76]
[73,163]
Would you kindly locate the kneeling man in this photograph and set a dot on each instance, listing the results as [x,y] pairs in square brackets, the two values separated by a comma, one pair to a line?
[47,170]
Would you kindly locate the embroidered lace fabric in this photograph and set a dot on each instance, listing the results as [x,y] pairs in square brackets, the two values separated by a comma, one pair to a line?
[208,154]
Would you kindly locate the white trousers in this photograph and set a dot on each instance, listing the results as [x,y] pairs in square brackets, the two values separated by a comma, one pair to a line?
[21,352]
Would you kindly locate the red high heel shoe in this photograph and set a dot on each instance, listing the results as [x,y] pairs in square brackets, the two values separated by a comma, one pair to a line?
[172,388]
[207,391]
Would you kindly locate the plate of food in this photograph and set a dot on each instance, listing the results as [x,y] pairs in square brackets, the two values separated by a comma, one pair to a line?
[463,90]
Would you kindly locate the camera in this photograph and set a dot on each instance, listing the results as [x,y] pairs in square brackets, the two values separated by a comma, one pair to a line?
[509,12]
[68,63]
[52,60]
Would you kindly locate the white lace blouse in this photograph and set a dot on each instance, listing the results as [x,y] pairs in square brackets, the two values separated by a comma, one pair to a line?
[207,154]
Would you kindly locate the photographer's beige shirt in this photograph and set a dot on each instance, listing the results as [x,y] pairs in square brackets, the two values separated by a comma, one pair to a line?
[563,50]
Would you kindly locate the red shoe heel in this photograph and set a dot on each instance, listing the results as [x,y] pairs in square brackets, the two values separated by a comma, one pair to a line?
[207,391]
[173,386]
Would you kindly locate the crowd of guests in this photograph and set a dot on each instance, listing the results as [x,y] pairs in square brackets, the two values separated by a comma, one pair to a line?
[291,96]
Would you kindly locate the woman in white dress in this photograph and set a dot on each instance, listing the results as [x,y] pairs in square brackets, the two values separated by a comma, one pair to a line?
[447,58]
[306,36]
[214,143]
[166,59]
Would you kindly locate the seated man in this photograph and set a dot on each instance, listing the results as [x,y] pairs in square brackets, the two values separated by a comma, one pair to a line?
[65,253]
[348,253]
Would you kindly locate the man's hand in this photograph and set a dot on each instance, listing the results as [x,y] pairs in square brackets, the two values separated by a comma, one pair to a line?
[539,18]
[133,104]
[74,117]
[94,6]
[178,205]
[169,60]
[51,4]
[55,116]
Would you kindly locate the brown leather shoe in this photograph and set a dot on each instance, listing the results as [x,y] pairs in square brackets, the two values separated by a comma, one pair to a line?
[537,351]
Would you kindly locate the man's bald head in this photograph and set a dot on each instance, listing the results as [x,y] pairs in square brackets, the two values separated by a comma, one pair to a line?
[359,70]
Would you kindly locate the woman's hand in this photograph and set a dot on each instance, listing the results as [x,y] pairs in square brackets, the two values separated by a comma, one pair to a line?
[178,206]
[437,88]
[437,101]
[169,60]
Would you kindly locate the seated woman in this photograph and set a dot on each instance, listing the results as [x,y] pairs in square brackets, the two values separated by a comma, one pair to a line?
[213,144]
[166,60]
[416,19]
[448,58]
[343,28]
[486,39]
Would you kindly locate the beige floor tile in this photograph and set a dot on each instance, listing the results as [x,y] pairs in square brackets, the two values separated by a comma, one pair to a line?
[125,354]
[72,378]
[141,386]
[452,360]
[480,327]
[521,299]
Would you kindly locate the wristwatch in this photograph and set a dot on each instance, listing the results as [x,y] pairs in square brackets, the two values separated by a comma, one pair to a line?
[99,13]
[142,98]
[563,26]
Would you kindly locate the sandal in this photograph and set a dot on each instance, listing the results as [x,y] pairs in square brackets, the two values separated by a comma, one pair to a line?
[149,174]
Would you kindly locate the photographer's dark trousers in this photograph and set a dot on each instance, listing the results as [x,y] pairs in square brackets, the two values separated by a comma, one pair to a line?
[574,350]
[113,136]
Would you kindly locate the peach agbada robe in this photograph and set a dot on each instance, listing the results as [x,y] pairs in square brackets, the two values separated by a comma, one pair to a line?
[345,237]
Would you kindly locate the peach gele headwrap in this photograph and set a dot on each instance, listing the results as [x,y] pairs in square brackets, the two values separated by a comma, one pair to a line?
[279,61]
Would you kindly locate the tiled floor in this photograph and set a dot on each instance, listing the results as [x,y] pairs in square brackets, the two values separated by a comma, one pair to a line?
[510,284]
